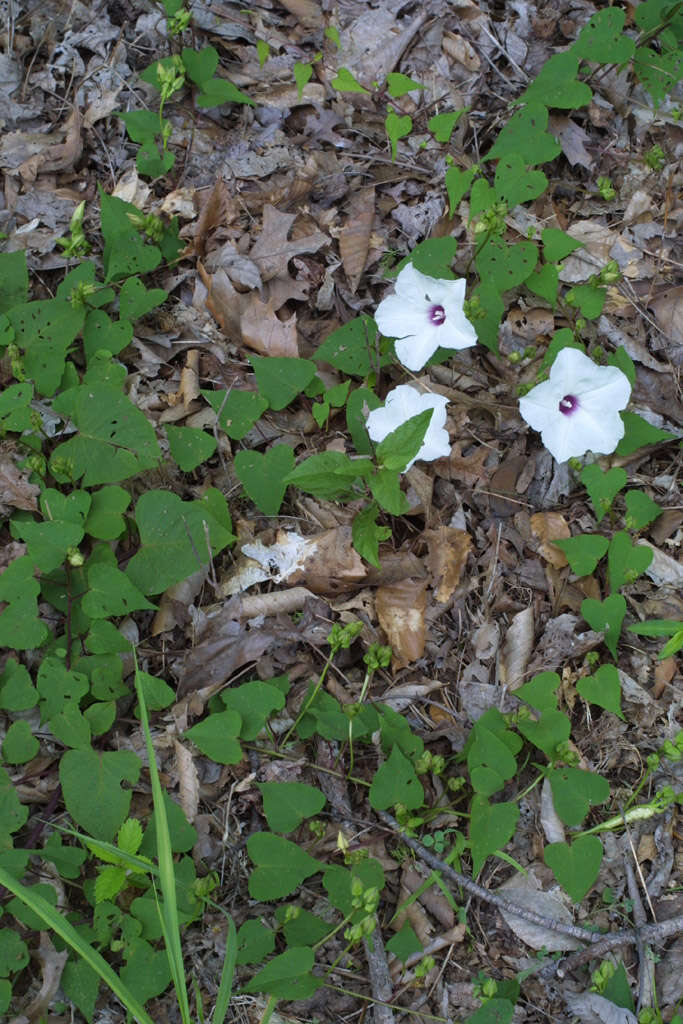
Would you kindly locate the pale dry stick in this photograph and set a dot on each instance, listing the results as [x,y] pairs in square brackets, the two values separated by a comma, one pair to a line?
[380,979]
[645,964]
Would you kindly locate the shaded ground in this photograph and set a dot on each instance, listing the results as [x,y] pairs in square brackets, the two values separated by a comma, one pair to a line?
[291,208]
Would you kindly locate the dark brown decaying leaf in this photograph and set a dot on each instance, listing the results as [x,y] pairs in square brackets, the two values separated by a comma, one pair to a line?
[448,551]
[354,238]
[401,613]
[15,489]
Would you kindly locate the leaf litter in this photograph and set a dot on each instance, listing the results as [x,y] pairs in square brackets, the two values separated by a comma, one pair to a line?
[289,208]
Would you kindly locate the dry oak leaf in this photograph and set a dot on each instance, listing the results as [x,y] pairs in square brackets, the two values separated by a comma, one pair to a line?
[467,469]
[401,613]
[448,551]
[225,304]
[272,250]
[265,333]
[15,489]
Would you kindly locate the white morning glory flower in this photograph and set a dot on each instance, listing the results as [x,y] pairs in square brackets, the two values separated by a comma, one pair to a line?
[577,408]
[401,405]
[424,313]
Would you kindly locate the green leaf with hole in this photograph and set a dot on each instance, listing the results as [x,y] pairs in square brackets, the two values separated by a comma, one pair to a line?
[135,300]
[583,552]
[491,827]
[602,38]
[659,73]
[58,685]
[638,433]
[506,266]
[263,476]
[281,379]
[287,804]
[525,134]
[606,617]
[217,736]
[515,184]
[602,486]
[626,561]
[556,84]
[177,538]
[91,784]
[603,688]
[575,867]
[114,440]
[575,791]
[396,782]
[280,866]
[45,330]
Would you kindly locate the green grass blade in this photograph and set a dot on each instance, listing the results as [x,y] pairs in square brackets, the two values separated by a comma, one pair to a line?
[169,912]
[66,931]
[227,974]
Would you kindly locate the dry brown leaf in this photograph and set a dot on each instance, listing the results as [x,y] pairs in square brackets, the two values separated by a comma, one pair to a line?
[668,310]
[460,50]
[52,966]
[272,250]
[55,155]
[530,323]
[401,613]
[175,602]
[265,333]
[663,570]
[549,526]
[448,551]
[188,781]
[15,489]
[189,379]
[467,469]
[213,215]
[354,237]
[308,12]
[573,140]
[225,304]
[516,649]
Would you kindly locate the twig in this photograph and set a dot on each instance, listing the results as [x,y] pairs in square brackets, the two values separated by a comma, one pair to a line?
[380,979]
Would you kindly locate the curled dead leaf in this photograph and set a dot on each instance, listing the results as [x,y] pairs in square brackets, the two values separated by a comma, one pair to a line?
[354,237]
[263,331]
[448,551]
[401,613]
[547,527]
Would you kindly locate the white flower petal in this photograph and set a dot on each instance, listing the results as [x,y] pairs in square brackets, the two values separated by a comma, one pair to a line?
[397,319]
[414,352]
[402,404]
[595,424]
[406,315]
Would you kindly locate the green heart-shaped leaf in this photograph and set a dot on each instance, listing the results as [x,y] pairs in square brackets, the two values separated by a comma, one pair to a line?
[506,266]
[602,38]
[515,184]
[606,617]
[602,487]
[584,552]
[263,476]
[603,688]
[626,561]
[640,510]
[575,867]
[575,792]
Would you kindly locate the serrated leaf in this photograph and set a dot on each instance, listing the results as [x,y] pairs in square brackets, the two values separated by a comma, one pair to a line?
[287,804]
[603,688]
[281,866]
[575,867]
[583,552]
[130,836]
[217,736]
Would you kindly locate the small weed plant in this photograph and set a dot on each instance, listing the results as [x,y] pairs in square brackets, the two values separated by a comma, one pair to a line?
[100,543]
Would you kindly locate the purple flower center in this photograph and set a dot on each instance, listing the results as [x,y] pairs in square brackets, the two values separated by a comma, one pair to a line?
[568,404]
[437,315]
